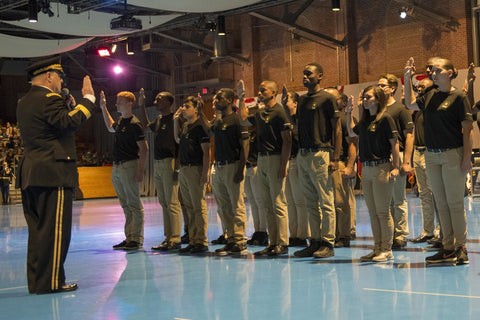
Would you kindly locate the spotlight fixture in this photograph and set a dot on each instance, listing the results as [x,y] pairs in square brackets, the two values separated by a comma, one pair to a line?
[103,52]
[403,13]
[221,25]
[117,69]
[211,26]
[32,11]
[335,5]
[114,48]
[130,47]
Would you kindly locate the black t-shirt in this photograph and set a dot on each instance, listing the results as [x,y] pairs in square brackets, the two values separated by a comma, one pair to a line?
[252,151]
[374,138]
[228,133]
[128,131]
[269,123]
[191,139]
[443,114]
[164,141]
[314,115]
[419,139]
[343,123]
[403,121]
[295,147]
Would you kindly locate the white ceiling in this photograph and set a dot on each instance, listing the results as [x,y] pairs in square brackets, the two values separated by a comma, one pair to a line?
[97,24]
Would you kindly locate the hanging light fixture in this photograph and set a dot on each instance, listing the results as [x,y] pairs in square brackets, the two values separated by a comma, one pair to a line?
[32,11]
[335,5]
[221,25]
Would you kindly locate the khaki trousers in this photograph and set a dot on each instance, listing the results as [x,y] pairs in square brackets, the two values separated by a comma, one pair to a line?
[448,185]
[167,193]
[398,206]
[377,190]
[425,193]
[271,198]
[297,210]
[345,204]
[251,189]
[229,197]
[317,188]
[193,195]
[128,192]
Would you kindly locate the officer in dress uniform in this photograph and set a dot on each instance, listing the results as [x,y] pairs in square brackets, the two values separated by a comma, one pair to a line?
[48,172]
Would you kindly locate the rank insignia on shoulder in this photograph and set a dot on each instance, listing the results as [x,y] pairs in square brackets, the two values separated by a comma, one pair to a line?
[53,94]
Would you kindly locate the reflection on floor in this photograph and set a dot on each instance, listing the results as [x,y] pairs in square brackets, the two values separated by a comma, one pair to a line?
[149,285]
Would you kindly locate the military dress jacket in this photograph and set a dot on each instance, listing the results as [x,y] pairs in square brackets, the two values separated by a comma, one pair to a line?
[47,127]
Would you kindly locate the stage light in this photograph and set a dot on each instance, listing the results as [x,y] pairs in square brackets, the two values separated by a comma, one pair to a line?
[335,5]
[221,25]
[129,46]
[403,13]
[117,69]
[103,52]
[204,91]
[32,11]
[114,48]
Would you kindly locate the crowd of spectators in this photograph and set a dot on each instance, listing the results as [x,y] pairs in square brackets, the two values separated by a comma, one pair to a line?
[10,152]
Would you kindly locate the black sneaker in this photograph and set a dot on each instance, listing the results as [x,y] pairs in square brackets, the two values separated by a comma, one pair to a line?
[167,246]
[300,242]
[264,251]
[433,240]
[436,246]
[324,251]
[421,238]
[238,248]
[186,249]
[462,255]
[353,236]
[277,250]
[132,245]
[221,240]
[185,239]
[224,250]
[342,243]
[120,246]
[262,239]
[308,251]
[199,248]
[368,257]
[399,244]
[291,242]
[442,256]
[253,238]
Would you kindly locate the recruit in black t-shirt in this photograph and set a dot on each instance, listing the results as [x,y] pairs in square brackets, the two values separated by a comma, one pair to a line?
[269,123]
[190,147]
[403,121]
[443,114]
[314,115]
[164,140]
[228,133]
[128,131]
[374,138]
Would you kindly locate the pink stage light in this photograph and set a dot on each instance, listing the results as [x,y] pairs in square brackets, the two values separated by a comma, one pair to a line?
[103,52]
[117,69]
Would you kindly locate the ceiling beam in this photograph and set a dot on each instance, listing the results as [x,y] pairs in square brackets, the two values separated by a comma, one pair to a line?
[299,30]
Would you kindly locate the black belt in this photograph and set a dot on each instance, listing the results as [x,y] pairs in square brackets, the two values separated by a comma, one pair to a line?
[251,165]
[420,149]
[190,165]
[436,151]
[374,162]
[308,150]
[268,153]
[224,163]
[117,163]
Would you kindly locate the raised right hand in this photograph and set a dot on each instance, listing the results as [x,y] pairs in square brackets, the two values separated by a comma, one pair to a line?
[103,101]
[87,86]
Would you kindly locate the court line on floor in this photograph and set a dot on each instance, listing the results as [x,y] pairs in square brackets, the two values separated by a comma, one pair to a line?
[424,293]
[13,288]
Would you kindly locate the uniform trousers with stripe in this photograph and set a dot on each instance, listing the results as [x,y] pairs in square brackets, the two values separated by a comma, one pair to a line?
[48,212]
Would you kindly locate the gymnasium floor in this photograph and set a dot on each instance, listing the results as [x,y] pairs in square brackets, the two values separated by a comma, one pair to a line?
[150,285]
